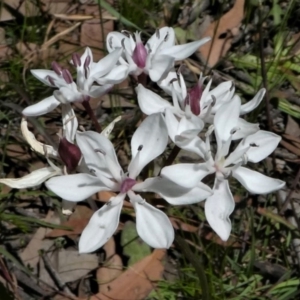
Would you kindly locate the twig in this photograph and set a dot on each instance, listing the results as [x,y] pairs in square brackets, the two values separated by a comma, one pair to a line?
[196,263]
[54,275]
[90,112]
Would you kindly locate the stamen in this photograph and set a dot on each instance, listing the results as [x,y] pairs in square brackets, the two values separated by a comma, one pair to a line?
[56,68]
[126,33]
[232,86]
[157,33]
[123,43]
[253,145]
[110,41]
[140,147]
[67,76]
[214,100]
[167,36]
[76,59]
[51,80]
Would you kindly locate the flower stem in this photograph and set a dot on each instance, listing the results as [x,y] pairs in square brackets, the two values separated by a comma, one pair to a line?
[90,112]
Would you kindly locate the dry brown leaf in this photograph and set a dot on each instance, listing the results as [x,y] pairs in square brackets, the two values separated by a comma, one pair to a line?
[290,147]
[92,34]
[179,224]
[138,281]
[30,255]
[104,196]
[292,127]
[222,33]
[115,101]
[69,264]
[108,273]
[77,224]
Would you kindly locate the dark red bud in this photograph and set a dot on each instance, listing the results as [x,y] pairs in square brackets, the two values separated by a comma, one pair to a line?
[127,184]
[69,153]
[194,96]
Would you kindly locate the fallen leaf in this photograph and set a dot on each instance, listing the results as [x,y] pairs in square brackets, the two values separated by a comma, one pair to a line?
[30,255]
[222,33]
[76,224]
[69,264]
[112,269]
[292,127]
[136,282]
[179,224]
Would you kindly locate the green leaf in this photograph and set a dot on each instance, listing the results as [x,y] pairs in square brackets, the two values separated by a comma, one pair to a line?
[134,247]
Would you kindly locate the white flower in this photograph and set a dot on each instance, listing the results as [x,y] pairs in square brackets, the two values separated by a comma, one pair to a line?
[153,226]
[87,73]
[157,57]
[253,148]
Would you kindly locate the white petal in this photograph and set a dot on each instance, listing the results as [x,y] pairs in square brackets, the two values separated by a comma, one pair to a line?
[149,102]
[190,127]
[244,129]
[33,179]
[75,187]
[98,91]
[256,182]
[101,226]
[160,66]
[41,108]
[70,123]
[42,75]
[152,136]
[115,76]
[99,154]
[162,40]
[186,175]
[172,192]
[223,94]
[262,143]
[166,84]
[226,119]
[252,104]
[181,52]
[105,65]
[152,225]
[115,39]
[218,208]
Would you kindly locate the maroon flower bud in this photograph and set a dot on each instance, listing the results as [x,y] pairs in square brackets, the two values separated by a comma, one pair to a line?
[194,97]
[69,153]
[139,55]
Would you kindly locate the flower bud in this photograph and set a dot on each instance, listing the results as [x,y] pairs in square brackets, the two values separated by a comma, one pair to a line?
[194,97]
[139,55]
[69,153]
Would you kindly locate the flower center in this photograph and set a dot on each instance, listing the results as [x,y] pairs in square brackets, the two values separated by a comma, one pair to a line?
[127,184]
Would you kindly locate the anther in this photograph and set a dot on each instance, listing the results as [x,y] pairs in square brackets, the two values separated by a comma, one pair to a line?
[157,33]
[253,145]
[67,76]
[76,60]
[140,147]
[167,36]
[214,100]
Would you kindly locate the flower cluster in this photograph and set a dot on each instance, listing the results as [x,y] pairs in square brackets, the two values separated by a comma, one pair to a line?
[86,161]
